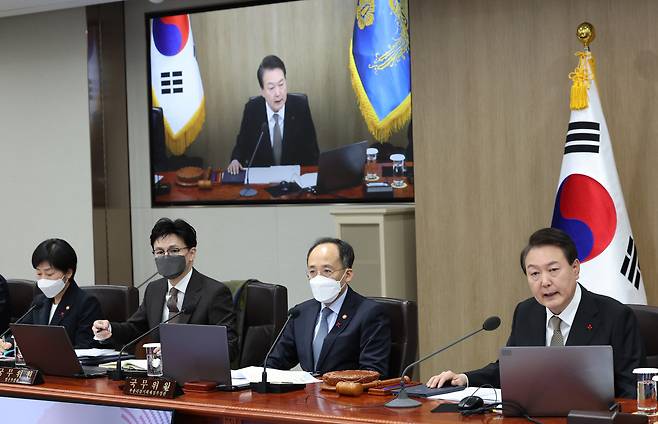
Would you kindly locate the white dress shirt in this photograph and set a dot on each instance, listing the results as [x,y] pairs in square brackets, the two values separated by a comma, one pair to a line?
[567,316]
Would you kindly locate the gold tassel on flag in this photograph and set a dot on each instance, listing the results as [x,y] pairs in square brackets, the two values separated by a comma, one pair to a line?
[584,72]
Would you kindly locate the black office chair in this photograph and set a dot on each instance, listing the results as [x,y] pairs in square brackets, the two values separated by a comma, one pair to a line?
[21,293]
[260,317]
[403,315]
[118,303]
[647,318]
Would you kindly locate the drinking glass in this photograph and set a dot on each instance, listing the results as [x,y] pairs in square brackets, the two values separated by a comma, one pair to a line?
[372,170]
[646,389]
[398,171]
[153,359]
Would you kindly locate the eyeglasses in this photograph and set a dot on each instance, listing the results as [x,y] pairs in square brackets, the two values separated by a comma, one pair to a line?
[327,272]
[173,251]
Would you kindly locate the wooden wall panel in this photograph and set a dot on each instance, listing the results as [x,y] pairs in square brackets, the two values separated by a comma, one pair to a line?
[490,116]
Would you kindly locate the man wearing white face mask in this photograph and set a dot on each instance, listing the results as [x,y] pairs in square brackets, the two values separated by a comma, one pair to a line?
[338,329]
[62,302]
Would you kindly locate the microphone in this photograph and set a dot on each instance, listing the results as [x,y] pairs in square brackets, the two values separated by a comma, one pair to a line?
[37,305]
[248,191]
[402,399]
[118,372]
[147,280]
[264,386]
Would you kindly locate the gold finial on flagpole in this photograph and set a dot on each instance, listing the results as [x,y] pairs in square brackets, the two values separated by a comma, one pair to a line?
[585,33]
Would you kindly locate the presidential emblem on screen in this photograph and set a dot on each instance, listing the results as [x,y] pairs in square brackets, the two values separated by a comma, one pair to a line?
[365,13]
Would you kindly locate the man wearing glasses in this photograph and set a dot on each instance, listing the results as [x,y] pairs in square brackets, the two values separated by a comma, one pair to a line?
[183,287]
[338,329]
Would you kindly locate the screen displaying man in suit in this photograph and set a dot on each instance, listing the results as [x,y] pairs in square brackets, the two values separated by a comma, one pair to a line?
[183,288]
[285,120]
[562,312]
[338,329]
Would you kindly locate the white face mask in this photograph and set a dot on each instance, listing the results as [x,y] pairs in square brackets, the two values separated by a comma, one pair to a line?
[50,288]
[325,289]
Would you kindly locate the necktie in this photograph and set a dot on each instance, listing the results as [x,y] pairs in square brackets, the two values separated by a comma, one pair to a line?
[557,339]
[318,341]
[276,140]
[172,303]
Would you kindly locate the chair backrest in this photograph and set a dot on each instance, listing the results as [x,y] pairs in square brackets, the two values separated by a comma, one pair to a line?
[21,293]
[265,311]
[118,303]
[403,315]
[647,318]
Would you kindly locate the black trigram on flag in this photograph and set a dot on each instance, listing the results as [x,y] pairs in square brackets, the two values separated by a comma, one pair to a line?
[171,82]
[631,266]
[583,137]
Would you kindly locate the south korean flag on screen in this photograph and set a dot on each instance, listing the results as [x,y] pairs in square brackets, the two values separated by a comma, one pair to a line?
[176,81]
[590,207]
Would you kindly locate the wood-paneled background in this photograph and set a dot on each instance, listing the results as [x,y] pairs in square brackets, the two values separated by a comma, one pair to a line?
[491,109]
[312,37]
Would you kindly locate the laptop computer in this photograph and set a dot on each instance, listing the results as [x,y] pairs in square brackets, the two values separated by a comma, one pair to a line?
[192,352]
[341,167]
[545,381]
[49,349]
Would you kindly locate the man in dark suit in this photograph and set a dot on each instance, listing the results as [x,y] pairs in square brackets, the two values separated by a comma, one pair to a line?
[183,288]
[288,130]
[339,329]
[562,312]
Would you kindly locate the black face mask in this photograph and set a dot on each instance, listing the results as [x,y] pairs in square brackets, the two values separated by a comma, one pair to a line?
[170,266]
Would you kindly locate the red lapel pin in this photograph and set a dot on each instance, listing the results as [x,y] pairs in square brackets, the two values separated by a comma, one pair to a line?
[589,326]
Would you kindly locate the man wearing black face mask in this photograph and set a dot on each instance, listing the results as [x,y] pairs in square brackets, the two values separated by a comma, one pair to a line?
[174,249]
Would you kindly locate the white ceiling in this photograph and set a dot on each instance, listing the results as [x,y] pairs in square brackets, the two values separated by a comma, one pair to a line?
[23,7]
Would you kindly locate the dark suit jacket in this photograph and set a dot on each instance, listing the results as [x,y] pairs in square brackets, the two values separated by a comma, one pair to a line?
[77,311]
[5,305]
[299,144]
[213,306]
[600,320]
[360,339]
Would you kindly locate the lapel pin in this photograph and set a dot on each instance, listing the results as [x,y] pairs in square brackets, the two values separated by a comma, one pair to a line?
[589,326]
[344,316]
[68,307]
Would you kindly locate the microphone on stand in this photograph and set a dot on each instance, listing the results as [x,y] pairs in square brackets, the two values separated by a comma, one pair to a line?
[147,280]
[248,191]
[402,400]
[117,374]
[264,386]
[37,305]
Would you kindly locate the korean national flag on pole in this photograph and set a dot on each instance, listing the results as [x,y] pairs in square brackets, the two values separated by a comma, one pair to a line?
[589,203]
[176,82]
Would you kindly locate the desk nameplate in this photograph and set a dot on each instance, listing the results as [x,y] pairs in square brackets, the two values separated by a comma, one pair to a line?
[155,387]
[25,376]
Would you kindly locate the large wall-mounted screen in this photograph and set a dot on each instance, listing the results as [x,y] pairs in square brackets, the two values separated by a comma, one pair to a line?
[304,101]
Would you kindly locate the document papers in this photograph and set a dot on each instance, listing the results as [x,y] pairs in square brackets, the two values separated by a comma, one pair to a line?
[255,375]
[127,365]
[273,174]
[487,394]
[307,180]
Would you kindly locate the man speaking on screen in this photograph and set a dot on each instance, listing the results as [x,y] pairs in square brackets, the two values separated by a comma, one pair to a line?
[284,119]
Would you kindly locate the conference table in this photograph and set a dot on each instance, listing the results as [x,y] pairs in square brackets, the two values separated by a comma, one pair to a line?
[230,193]
[243,407]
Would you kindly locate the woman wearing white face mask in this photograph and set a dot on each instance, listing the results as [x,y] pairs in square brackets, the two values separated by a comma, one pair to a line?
[61,301]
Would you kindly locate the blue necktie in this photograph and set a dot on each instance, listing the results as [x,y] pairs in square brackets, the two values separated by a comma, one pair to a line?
[318,341]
